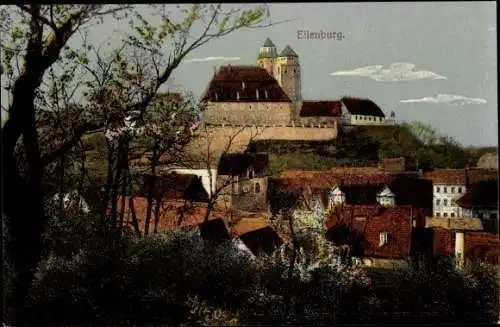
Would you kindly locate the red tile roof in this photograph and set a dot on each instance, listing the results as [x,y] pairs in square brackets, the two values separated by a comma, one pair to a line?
[483,194]
[409,189]
[369,221]
[178,214]
[477,245]
[364,107]
[321,109]
[247,225]
[460,176]
[175,186]
[251,83]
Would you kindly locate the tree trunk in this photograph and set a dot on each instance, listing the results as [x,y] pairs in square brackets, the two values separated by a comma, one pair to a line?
[288,292]
[151,187]
[23,201]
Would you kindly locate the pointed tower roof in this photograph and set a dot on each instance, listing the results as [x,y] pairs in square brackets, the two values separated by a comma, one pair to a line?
[288,52]
[269,44]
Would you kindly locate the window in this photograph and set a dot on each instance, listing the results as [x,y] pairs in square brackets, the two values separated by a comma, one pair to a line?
[452,190]
[445,202]
[438,214]
[493,216]
[384,238]
[257,188]
[452,214]
[445,190]
[480,215]
[445,214]
[438,202]
[459,190]
[250,173]
[438,189]
[294,70]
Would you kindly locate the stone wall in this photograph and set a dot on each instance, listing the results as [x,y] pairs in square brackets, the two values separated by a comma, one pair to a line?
[213,140]
[248,113]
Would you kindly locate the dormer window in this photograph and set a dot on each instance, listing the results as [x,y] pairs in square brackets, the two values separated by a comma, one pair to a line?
[250,173]
[257,94]
[216,96]
[237,95]
[266,95]
[337,197]
[243,85]
[386,197]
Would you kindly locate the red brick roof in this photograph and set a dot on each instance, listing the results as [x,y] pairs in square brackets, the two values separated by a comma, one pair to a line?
[179,214]
[477,245]
[364,107]
[460,176]
[483,194]
[247,81]
[175,186]
[321,109]
[247,225]
[408,189]
[369,221]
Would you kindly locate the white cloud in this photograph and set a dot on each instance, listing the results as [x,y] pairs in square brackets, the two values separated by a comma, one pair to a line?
[212,59]
[449,99]
[397,72]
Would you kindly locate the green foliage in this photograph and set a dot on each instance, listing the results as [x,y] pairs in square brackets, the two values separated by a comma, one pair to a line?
[177,278]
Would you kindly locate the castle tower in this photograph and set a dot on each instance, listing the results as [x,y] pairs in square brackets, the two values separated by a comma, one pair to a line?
[267,57]
[287,73]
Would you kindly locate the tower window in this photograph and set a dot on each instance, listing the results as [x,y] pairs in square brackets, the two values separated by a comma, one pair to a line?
[294,70]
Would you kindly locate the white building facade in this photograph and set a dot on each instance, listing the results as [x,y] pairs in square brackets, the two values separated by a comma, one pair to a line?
[444,197]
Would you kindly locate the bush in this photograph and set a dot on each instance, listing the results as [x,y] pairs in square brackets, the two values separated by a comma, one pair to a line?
[89,277]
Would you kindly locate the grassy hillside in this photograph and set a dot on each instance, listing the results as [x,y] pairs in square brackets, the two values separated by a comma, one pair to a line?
[367,146]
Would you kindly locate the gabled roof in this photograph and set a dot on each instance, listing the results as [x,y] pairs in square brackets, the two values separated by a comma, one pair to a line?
[175,186]
[461,176]
[361,187]
[363,107]
[288,52]
[483,194]
[236,164]
[250,83]
[268,43]
[321,109]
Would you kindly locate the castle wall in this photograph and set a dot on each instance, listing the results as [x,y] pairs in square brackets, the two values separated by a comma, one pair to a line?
[248,113]
[218,139]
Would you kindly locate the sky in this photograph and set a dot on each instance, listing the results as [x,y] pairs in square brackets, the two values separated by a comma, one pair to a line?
[433,62]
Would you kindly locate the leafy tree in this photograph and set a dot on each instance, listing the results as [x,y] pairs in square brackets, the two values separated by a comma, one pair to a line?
[39,40]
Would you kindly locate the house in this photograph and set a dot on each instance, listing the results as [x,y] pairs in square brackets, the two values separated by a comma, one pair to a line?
[246,95]
[451,184]
[319,113]
[317,194]
[257,234]
[360,112]
[362,185]
[477,245]
[480,200]
[173,186]
[243,178]
[374,231]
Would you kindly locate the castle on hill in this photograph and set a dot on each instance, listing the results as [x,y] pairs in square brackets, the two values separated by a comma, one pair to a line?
[270,94]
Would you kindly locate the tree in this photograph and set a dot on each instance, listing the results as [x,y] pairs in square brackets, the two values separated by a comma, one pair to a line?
[40,36]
